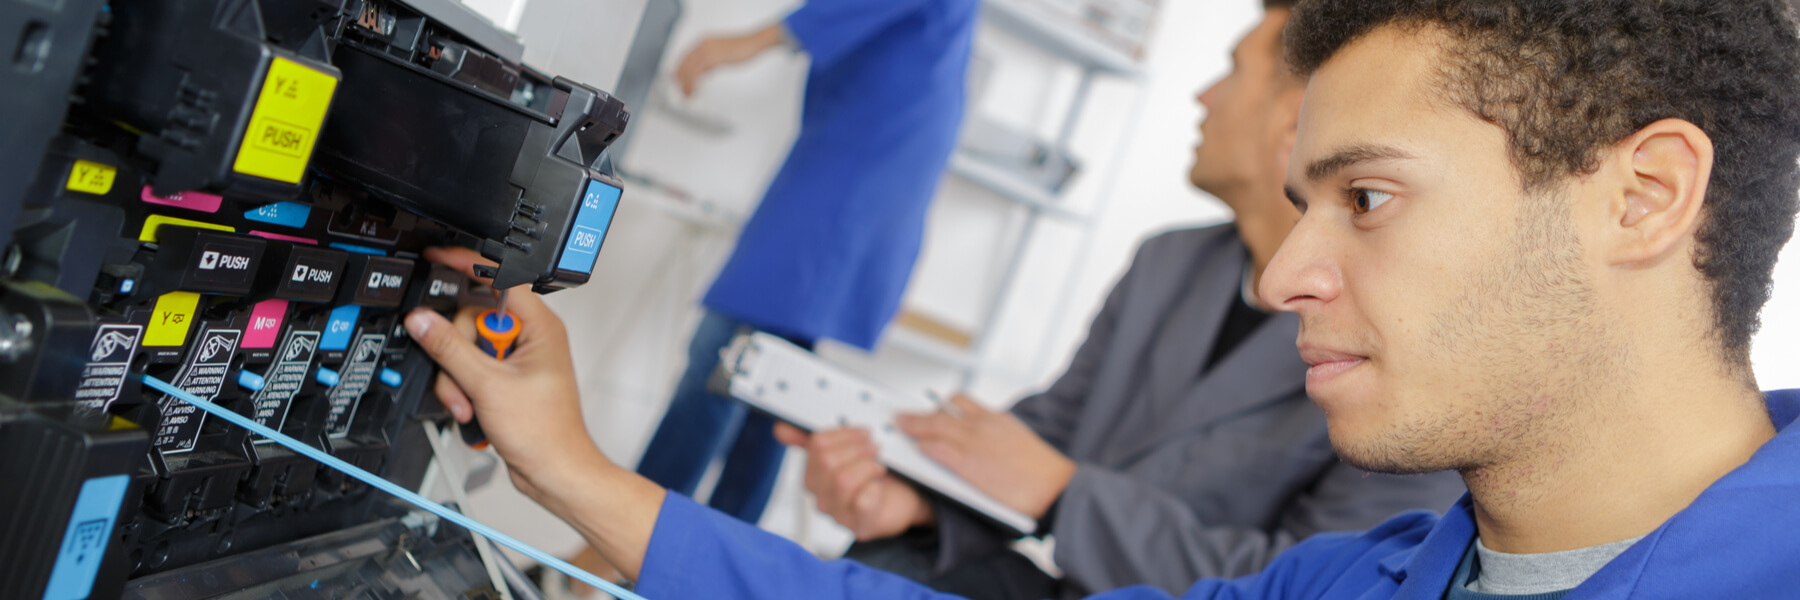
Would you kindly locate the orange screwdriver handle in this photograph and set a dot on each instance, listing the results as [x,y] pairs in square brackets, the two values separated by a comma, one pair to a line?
[495,333]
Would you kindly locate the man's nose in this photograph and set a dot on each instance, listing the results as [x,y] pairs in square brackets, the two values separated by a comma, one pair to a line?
[1304,273]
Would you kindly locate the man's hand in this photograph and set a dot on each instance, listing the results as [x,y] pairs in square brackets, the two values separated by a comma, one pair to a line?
[528,403]
[852,487]
[995,452]
[531,412]
[715,51]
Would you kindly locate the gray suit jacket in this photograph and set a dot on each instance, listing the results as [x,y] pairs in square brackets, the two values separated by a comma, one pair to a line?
[1184,476]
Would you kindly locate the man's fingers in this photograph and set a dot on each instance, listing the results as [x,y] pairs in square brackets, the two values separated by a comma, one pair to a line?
[687,75]
[930,426]
[967,405]
[790,435]
[454,400]
[835,439]
[520,302]
[840,457]
[867,508]
[448,347]
[850,481]
[944,454]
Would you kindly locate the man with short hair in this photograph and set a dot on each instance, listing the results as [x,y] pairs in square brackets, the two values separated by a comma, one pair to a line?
[1536,236]
[1179,443]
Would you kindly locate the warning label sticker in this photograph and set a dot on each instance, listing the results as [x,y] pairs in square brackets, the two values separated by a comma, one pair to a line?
[203,376]
[109,361]
[284,380]
[353,380]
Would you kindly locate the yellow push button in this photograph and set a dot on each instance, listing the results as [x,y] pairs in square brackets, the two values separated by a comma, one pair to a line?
[285,123]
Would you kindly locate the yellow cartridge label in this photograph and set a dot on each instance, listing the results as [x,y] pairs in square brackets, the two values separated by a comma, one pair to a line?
[285,123]
[91,177]
[173,315]
[151,223]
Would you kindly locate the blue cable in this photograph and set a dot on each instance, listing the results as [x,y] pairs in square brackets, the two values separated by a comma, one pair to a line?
[395,490]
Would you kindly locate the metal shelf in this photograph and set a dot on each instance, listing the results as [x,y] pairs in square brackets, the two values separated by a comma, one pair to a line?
[1010,186]
[1059,37]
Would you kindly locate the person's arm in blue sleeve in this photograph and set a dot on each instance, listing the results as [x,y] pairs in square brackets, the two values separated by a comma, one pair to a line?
[701,553]
[825,29]
[830,29]
[675,549]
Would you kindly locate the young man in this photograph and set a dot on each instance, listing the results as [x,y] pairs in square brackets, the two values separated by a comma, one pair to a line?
[1179,444]
[1536,237]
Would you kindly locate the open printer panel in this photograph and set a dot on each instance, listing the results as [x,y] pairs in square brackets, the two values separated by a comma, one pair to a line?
[233,196]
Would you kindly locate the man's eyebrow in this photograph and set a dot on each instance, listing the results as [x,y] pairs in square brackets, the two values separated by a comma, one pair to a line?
[1347,157]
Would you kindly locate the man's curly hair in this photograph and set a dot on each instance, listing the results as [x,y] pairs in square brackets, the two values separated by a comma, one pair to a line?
[1568,79]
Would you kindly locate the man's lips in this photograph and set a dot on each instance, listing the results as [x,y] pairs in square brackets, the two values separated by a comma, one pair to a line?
[1327,364]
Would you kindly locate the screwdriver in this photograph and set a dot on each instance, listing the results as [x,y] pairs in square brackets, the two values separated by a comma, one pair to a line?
[495,331]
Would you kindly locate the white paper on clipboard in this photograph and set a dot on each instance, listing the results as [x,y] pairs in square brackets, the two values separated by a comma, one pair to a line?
[794,385]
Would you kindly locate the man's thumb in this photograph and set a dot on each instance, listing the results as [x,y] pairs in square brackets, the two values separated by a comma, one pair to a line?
[457,356]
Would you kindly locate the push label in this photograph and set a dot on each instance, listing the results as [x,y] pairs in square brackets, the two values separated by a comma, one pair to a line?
[285,123]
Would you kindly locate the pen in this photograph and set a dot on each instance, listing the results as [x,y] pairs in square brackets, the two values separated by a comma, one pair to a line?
[947,406]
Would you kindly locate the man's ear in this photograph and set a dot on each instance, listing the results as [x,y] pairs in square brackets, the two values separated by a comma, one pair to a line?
[1666,167]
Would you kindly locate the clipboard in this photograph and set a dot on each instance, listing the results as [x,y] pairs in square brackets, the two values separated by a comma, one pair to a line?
[794,385]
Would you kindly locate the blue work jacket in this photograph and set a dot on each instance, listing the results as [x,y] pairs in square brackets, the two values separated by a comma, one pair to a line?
[1739,539]
[828,252]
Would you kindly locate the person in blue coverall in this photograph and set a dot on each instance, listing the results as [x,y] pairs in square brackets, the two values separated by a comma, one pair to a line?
[828,252]
[1535,239]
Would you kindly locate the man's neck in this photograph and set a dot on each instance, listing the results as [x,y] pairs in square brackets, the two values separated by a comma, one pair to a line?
[1621,474]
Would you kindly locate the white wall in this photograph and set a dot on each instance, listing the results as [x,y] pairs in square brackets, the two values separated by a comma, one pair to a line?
[1776,349]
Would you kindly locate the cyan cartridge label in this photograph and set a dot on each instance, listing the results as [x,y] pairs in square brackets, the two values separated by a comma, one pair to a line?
[591,221]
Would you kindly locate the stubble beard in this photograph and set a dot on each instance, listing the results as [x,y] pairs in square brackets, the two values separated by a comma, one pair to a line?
[1532,360]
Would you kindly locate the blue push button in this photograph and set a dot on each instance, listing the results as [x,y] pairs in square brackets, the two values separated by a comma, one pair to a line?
[326,377]
[391,377]
[591,221]
[84,542]
[250,381]
[340,327]
[285,214]
[126,285]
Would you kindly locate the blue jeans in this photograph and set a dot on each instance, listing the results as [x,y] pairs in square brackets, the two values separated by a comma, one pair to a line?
[701,425]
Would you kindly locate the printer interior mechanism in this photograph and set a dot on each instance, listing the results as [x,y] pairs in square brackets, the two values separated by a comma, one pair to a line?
[233,196]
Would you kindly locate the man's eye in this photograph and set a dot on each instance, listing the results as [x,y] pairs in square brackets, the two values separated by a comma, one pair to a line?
[1367,200]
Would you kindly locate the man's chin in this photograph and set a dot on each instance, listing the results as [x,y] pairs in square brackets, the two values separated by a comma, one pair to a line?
[1385,454]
